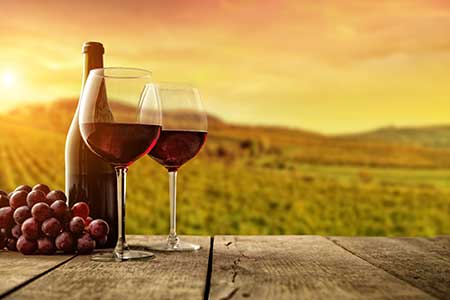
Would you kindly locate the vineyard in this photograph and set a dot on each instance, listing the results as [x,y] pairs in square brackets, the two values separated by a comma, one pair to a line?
[257,180]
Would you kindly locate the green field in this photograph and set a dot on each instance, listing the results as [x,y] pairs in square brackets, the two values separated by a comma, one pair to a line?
[255,180]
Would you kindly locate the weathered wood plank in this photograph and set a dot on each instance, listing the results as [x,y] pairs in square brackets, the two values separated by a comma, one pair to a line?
[168,276]
[17,269]
[423,262]
[298,267]
[438,245]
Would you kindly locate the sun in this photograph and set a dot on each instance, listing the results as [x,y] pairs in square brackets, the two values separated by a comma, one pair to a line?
[8,79]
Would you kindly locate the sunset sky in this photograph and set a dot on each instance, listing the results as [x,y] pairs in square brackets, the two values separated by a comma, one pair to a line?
[328,66]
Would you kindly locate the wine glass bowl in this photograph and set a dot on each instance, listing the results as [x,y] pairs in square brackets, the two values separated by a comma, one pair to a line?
[120,121]
[183,134]
[176,147]
[120,144]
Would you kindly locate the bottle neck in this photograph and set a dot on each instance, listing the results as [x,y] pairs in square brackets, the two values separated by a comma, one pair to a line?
[91,61]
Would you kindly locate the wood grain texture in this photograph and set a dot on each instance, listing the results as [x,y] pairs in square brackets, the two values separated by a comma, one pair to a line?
[17,269]
[423,262]
[168,276]
[298,267]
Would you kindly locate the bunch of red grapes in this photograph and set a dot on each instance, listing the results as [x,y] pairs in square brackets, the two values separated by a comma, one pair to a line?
[37,220]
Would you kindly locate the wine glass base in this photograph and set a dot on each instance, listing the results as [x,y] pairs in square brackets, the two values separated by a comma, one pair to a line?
[127,255]
[179,247]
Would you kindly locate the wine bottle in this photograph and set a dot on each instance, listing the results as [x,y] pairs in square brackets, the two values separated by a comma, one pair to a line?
[88,177]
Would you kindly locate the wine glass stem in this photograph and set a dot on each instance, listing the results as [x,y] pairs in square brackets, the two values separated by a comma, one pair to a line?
[121,246]
[173,238]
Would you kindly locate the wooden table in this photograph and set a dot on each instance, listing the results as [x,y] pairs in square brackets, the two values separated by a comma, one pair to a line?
[244,267]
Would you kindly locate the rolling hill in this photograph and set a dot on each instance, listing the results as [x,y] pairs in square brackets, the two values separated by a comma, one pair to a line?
[427,136]
[386,147]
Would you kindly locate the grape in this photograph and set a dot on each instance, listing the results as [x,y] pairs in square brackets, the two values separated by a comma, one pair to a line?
[88,221]
[41,211]
[51,227]
[31,229]
[21,214]
[81,209]
[98,228]
[26,246]
[16,231]
[25,188]
[59,209]
[6,217]
[46,246]
[11,244]
[65,242]
[4,200]
[18,199]
[56,195]
[2,192]
[35,197]
[100,242]
[85,244]
[76,225]
[41,187]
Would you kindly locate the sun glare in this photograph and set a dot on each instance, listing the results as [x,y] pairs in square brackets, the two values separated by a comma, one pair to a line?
[8,79]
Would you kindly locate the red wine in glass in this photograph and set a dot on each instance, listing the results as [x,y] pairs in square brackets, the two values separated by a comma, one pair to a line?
[120,144]
[176,147]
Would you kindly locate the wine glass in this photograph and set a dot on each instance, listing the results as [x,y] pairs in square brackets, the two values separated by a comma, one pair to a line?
[120,121]
[184,131]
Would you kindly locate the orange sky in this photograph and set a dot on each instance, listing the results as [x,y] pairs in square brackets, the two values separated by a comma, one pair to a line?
[329,66]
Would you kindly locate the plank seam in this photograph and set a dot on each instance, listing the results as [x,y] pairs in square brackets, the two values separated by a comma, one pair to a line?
[209,271]
[23,284]
[379,267]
